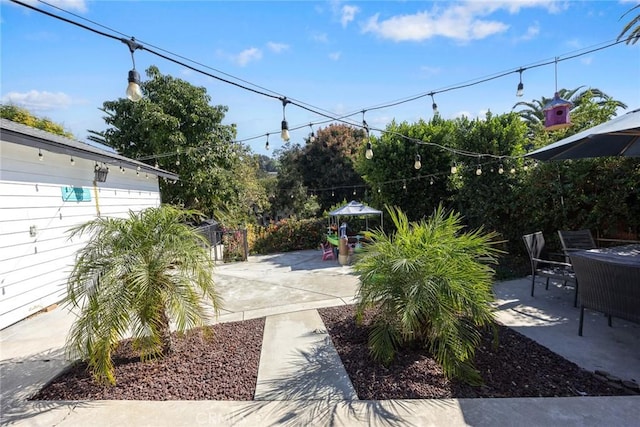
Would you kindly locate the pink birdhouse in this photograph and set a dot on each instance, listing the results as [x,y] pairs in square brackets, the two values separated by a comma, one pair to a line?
[556,113]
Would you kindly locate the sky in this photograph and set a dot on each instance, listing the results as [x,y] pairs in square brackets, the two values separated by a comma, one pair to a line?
[336,58]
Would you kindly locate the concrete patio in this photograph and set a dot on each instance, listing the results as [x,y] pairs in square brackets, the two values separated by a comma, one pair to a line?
[286,289]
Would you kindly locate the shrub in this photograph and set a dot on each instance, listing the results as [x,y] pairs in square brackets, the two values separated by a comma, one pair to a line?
[286,235]
[430,284]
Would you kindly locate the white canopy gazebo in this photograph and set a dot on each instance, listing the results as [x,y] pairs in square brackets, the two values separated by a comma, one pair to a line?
[354,208]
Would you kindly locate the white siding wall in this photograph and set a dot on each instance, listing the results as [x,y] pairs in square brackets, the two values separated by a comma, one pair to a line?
[34,269]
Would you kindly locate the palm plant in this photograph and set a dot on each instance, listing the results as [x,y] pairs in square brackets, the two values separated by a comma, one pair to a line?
[533,112]
[634,32]
[134,276]
[430,284]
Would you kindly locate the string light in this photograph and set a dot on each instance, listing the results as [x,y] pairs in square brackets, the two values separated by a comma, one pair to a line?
[284,134]
[454,168]
[266,144]
[369,153]
[40,155]
[133,45]
[431,181]
[72,161]
[520,90]
[312,135]
[500,169]
[133,88]
[479,170]
[434,106]
[417,164]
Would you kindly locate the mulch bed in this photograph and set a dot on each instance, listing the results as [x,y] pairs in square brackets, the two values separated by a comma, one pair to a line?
[226,368]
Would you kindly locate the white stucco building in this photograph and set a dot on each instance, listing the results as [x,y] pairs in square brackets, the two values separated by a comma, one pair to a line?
[48,184]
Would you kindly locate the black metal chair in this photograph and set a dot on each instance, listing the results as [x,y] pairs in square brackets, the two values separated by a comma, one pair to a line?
[549,269]
[575,240]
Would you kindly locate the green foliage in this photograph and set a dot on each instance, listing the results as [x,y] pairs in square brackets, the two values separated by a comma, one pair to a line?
[632,27]
[414,191]
[488,199]
[133,276]
[286,235]
[430,284]
[175,127]
[325,163]
[23,116]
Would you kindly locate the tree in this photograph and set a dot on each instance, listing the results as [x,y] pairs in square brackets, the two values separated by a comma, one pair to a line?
[174,127]
[135,275]
[324,166]
[23,116]
[634,33]
[429,283]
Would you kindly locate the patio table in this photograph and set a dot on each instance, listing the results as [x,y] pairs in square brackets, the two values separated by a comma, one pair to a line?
[609,281]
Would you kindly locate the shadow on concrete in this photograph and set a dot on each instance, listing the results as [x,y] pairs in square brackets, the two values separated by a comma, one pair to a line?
[550,319]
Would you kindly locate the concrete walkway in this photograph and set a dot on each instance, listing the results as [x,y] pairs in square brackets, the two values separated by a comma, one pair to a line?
[301,381]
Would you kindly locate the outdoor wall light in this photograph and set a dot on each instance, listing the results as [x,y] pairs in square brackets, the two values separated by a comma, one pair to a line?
[133,88]
[284,134]
[101,173]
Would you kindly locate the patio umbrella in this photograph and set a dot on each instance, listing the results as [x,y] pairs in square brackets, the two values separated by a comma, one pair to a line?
[619,136]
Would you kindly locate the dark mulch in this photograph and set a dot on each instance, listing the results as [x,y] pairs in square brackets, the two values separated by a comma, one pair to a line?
[221,366]
[226,368]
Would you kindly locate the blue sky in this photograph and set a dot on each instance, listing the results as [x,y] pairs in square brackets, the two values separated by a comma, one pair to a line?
[338,57]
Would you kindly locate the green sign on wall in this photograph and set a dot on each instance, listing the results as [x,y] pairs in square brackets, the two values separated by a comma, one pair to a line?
[76,194]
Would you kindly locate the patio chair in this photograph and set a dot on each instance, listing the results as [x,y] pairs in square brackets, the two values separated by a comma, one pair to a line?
[575,240]
[549,269]
[327,251]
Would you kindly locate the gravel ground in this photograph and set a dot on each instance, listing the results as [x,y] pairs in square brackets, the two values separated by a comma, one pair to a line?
[225,367]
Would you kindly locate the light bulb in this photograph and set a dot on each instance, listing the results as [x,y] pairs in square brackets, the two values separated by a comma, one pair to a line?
[512,170]
[133,88]
[312,137]
[500,170]
[479,171]
[431,181]
[285,131]
[73,162]
[454,169]
[40,155]
[417,164]
[435,108]
[369,153]
[520,90]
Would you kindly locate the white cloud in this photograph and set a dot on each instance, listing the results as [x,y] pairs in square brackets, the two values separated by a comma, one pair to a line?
[77,5]
[277,47]
[334,56]
[248,55]
[454,24]
[320,37]
[38,101]
[348,14]
[532,32]
[458,21]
